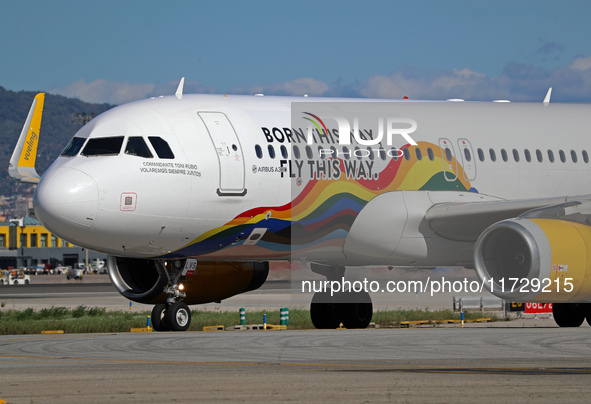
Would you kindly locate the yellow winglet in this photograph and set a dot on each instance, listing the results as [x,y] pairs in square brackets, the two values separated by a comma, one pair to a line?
[22,162]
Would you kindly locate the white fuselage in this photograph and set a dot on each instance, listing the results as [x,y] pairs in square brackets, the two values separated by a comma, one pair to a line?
[216,199]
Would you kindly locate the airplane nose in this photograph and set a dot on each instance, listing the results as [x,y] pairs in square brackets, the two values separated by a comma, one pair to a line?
[66,202]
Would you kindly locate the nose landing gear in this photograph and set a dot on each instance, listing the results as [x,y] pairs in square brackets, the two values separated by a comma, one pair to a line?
[171,317]
[174,315]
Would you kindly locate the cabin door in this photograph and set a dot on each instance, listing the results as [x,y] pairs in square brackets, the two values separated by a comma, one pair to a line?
[229,151]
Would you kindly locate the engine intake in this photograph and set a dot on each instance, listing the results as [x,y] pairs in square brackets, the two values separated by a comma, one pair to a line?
[144,280]
[139,280]
[536,260]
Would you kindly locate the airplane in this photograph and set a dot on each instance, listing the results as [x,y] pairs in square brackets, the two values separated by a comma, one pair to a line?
[193,195]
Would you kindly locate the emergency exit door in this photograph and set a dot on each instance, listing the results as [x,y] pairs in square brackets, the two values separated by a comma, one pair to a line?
[449,160]
[469,162]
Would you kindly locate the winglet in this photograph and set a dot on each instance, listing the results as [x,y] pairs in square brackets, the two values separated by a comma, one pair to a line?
[547,98]
[179,90]
[22,162]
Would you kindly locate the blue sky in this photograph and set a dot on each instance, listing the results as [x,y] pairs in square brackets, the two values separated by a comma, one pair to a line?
[119,51]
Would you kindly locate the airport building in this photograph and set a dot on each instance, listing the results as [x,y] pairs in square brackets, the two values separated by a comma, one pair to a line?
[24,242]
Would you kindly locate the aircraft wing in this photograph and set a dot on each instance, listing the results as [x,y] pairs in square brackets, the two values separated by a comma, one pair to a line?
[466,221]
[419,228]
[22,162]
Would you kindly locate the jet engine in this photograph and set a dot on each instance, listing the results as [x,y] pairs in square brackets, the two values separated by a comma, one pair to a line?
[536,260]
[145,280]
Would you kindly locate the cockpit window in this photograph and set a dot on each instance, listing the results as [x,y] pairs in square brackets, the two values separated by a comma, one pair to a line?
[74,146]
[136,146]
[161,146]
[101,146]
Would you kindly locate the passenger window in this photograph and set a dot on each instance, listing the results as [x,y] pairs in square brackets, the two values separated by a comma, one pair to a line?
[467,155]
[585,156]
[258,151]
[283,151]
[430,154]
[406,153]
[271,150]
[161,147]
[504,155]
[346,153]
[309,152]
[370,151]
[573,156]
[383,154]
[551,156]
[358,153]
[394,153]
[73,147]
[321,153]
[296,152]
[562,156]
[333,153]
[102,146]
[480,154]
[527,155]
[136,146]
[516,155]
[539,155]
[493,155]
[448,155]
[419,154]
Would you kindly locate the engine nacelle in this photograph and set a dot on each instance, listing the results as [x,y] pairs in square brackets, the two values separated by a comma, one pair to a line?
[144,280]
[536,260]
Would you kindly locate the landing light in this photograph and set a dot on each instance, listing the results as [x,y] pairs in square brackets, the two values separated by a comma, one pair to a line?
[181,287]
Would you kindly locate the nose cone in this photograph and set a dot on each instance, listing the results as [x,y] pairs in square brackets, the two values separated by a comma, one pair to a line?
[66,202]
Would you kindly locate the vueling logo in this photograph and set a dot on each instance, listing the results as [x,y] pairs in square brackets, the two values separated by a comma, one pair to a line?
[30,144]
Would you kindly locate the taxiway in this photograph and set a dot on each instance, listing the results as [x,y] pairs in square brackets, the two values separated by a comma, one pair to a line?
[531,364]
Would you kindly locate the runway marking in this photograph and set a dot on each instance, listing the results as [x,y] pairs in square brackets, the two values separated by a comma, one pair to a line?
[536,371]
[65,336]
[134,361]
[338,367]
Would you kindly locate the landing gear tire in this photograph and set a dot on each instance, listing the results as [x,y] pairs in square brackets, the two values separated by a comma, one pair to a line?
[568,314]
[159,322]
[357,310]
[178,316]
[324,311]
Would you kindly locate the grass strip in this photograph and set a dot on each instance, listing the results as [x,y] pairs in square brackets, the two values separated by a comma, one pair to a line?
[98,320]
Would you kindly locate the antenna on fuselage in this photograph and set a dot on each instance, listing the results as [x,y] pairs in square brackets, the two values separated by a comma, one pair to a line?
[547,98]
[179,90]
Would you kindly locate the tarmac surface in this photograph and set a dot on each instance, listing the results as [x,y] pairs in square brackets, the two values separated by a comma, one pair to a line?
[501,363]
[525,360]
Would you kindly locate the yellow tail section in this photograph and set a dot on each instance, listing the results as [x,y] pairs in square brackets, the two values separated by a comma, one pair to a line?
[22,162]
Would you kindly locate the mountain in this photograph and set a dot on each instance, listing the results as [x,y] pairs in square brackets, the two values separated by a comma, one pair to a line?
[62,117]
